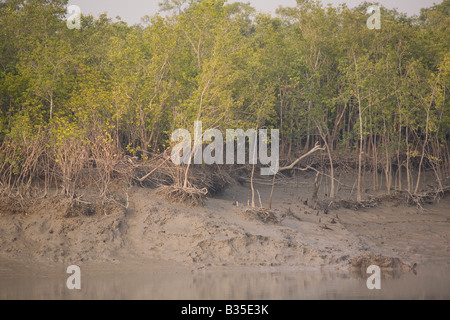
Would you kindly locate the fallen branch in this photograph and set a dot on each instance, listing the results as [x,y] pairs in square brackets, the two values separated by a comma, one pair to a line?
[324,174]
[316,148]
[151,172]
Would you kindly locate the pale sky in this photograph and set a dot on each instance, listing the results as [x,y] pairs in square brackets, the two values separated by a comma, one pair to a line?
[132,11]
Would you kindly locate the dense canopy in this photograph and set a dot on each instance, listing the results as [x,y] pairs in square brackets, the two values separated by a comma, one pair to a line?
[72,99]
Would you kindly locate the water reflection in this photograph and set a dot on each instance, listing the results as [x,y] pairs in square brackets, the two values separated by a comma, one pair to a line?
[146,283]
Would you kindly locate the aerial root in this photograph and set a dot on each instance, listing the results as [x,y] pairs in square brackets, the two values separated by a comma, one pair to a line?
[190,196]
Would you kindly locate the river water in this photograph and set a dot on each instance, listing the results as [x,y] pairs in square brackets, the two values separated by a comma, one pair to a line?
[161,283]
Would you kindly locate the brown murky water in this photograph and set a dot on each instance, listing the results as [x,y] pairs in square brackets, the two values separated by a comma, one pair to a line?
[150,283]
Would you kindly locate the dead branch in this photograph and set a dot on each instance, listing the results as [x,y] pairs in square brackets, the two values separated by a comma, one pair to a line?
[316,148]
[324,174]
[153,171]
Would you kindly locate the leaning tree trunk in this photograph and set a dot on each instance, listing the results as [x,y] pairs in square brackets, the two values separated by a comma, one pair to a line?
[317,147]
[423,153]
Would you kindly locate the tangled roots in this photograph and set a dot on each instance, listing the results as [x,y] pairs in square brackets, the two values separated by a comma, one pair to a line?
[190,196]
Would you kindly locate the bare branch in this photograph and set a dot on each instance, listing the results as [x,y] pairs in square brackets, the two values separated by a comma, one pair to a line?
[316,148]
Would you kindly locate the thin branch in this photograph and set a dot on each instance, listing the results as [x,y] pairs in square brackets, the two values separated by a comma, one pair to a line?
[151,172]
[316,148]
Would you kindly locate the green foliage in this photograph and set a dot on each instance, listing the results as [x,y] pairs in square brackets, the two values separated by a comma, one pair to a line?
[111,89]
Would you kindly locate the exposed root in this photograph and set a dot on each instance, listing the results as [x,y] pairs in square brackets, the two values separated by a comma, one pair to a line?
[263,215]
[347,204]
[161,171]
[418,200]
[364,260]
[10,205]
[76,209]
[190,196]
[427,197]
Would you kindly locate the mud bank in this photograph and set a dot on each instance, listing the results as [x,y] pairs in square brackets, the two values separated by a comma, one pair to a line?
[224,233]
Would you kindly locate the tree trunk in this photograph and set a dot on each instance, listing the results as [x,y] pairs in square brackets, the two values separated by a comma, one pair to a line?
[358,191]
[387,169]
[408,174]
[375,163]
[51,106]
[308,137]
[423,153]
[271,191]
[330,157]
[399,164]
[252,187]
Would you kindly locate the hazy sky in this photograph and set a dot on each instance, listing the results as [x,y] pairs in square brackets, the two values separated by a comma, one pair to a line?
[132,11]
